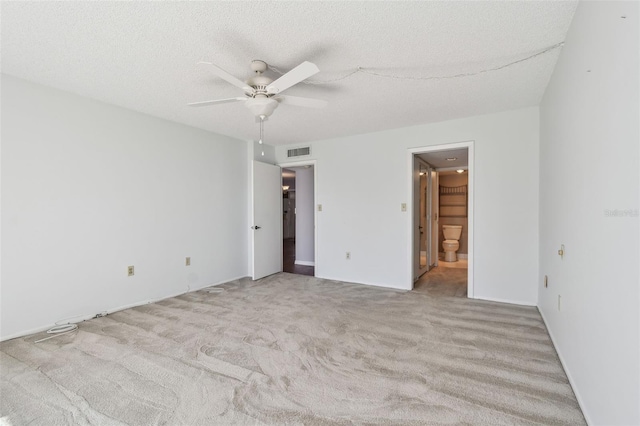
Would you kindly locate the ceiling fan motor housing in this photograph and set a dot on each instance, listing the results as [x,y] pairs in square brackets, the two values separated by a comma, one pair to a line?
[259,83]
[258,66]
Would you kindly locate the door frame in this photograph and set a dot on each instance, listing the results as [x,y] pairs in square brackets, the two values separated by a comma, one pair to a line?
[417,207]
[411,232]
[435,211]
[312,163]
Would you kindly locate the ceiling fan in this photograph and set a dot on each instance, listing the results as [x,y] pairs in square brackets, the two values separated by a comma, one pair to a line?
[261,93]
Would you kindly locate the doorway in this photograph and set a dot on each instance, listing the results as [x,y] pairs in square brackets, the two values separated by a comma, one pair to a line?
[298,230]
[442,200]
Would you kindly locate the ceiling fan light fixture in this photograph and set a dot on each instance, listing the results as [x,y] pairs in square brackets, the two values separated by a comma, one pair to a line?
[261,106]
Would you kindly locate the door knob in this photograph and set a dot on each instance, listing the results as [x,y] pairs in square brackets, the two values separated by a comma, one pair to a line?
[255,227]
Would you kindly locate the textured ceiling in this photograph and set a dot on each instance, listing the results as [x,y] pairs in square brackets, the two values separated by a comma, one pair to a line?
[143,55]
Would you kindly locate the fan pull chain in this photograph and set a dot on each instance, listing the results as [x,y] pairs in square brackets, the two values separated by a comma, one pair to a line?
[262,117]
[261,129]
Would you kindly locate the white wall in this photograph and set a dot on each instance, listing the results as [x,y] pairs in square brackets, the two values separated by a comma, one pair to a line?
[589,164]
[262,152]
[304,216]
[362,181]
[88,189]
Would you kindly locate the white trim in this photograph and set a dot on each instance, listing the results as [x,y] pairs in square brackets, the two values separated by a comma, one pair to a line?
[81,318]
[511,302]
[304,263]
[470,169]
[566,371]
[315,201]
[250,234]
[372,284]
[417,270]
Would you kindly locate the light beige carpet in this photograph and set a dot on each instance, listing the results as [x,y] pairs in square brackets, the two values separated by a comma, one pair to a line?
[293,350]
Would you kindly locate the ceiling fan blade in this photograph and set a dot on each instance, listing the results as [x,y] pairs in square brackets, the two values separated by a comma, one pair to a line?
[228,77]
[217,101]
[295,76]
[303,102]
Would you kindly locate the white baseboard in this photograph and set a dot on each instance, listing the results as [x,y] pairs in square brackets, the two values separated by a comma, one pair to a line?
[566,370]
[366,283]
[41,329]
[81,318]
[511,302]
[218,283]
[304,263]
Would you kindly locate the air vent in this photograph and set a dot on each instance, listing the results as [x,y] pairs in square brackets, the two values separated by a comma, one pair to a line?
[298,152]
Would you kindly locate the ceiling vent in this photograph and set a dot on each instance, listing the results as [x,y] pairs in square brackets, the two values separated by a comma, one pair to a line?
[298,152]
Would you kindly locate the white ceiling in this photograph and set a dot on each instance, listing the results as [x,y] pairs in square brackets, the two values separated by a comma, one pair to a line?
[143,55]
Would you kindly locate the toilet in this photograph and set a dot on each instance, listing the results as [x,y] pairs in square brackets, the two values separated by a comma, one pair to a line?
[451,245]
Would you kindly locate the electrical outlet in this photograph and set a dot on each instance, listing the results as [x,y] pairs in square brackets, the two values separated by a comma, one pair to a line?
[546,281]
[319,207]
[558,303]
[561,251]
[403,207]
[130,271]
[348,256]
[187,261]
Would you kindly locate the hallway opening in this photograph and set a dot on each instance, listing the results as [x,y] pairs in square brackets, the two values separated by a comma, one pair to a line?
[298,227]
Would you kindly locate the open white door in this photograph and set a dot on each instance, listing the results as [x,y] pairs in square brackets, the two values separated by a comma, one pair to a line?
[422,230]
[266,227]
[435,209]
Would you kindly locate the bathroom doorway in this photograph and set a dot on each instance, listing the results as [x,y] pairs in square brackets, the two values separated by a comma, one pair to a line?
[442,223]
